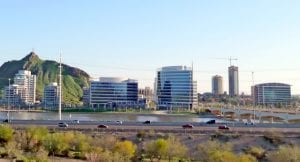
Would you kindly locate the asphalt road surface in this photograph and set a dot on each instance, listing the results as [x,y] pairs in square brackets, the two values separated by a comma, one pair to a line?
[164,127]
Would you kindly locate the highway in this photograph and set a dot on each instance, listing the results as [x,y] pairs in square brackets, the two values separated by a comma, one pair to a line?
[163,127]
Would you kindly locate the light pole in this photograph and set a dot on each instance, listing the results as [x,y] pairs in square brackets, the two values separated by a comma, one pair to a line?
[60,89]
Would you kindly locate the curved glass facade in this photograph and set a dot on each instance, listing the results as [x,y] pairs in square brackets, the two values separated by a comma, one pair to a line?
[175,88]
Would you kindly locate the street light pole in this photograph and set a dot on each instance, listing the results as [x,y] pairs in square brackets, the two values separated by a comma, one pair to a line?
[60,89]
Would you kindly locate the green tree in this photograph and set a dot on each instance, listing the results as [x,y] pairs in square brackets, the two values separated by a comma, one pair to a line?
[157,149]
[34,138]
[6,133]
[58,143]
[126,149]
[175,148]
[214,151]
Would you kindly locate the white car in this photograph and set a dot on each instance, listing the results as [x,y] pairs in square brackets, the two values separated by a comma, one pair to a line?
[76,121]
[64,125]
[119,122]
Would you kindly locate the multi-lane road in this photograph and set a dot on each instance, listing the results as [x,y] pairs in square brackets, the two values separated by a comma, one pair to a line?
[164,127]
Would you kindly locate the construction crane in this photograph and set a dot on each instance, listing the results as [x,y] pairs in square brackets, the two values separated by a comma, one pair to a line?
[230,59]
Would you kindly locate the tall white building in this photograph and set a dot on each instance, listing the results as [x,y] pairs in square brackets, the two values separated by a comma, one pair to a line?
[27,84]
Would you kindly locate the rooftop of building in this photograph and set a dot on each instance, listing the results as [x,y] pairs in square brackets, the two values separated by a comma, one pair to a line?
[272,84]
[175,68]
[115,80]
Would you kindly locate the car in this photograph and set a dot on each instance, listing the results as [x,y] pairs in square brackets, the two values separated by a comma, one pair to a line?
[119,122]
[102,126]
[76,121]
[7,121]
[147,122]
[189,126]
[223,127]
[63,125]
[211,122]
[249,123]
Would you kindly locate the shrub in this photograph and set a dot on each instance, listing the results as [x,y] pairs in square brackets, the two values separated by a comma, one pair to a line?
[285,153]
[257,152]
[6,133]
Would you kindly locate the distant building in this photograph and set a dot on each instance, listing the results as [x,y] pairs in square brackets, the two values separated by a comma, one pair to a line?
[12,95]
[23,91]
[51,95]
[271,94]
[217,85]
[113,93]
[146,96]
[175,88]
[86,96]
[233,78]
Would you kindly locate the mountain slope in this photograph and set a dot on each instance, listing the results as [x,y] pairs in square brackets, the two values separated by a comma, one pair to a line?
[47,71]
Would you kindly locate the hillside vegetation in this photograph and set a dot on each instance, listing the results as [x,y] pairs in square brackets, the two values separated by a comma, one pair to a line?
[47,71]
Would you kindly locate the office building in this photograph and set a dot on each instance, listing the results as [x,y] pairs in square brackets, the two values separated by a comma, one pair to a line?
[217,85]
[113,93]
[175,88]
[271,94]
[12,95]
[86,96]
[51,95]
[27,86]
[233,78]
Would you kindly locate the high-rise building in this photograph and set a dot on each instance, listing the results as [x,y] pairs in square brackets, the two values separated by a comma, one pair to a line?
[175,88]
[27,84]
[271,94]
[51,95]
[233,78]
[113,92]
[217,85]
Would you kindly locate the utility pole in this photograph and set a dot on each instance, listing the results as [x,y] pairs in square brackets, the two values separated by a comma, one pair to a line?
[60,88]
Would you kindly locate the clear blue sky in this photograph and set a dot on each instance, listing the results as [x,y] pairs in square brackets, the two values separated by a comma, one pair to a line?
[132,38]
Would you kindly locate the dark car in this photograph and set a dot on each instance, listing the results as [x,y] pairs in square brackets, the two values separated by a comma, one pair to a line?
[6,121]
[211,122]
[64,125]
[189,126]
[102,126]
[224,127]
[147,122]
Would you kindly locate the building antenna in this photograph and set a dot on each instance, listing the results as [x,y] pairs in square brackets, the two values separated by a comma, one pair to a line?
[60,88]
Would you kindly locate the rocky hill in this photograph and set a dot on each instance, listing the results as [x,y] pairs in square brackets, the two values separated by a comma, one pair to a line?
[47,71]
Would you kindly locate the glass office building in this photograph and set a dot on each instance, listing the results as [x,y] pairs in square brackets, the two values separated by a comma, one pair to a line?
[113,93]
[271,94]
[175,88]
